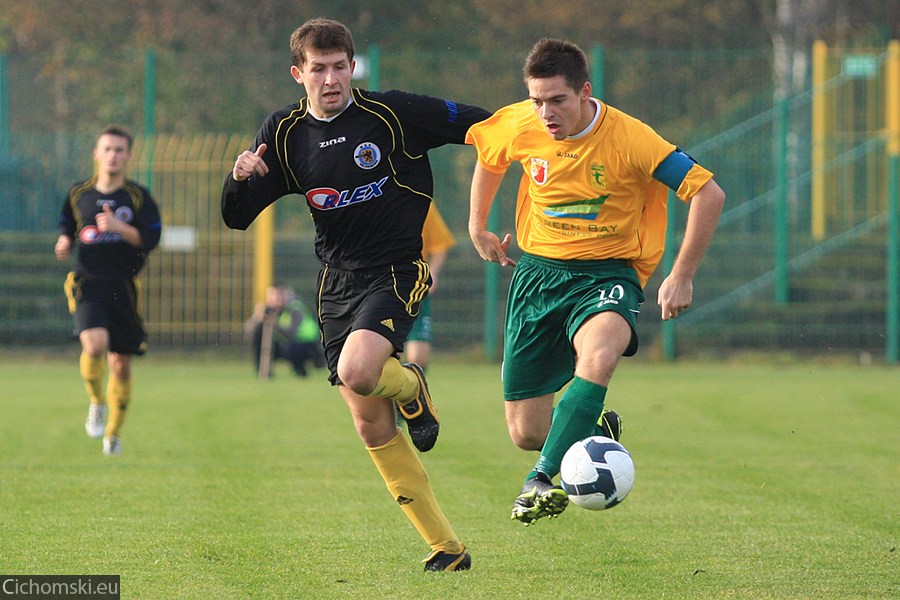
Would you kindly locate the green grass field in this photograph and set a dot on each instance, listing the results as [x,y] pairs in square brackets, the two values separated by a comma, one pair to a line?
[753,481]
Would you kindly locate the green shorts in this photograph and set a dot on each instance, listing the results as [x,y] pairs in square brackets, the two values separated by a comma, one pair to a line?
[547,303]
[421,331]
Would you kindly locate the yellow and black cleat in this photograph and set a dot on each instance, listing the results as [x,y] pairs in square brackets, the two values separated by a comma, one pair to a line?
[419,413]
[444,561]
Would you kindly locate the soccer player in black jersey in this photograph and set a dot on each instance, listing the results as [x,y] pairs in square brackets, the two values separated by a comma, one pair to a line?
[360,160]
[116,222]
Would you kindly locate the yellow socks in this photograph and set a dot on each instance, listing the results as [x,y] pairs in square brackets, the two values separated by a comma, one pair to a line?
[118,393]
[92,370]
[408,484]
[396,383]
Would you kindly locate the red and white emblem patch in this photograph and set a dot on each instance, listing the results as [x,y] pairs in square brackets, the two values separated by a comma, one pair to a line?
[539,168]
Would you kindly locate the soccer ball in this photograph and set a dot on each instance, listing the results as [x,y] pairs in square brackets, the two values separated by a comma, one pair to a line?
[597,473]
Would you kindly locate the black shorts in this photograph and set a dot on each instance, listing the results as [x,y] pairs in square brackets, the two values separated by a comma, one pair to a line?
[110,304]
[385,300]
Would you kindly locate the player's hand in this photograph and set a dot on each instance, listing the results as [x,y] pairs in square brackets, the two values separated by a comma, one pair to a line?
[250,163]
[675,295]
[491,249]
[107,221]
[63,247]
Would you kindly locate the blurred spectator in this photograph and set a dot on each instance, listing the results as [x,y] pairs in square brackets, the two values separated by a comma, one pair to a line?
[293,332]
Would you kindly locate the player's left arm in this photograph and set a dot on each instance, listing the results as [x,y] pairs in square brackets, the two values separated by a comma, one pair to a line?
[143,234]
[149,223]
[433,121]
[677,290]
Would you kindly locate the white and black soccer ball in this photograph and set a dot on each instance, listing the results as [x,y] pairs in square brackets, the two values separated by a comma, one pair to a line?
[597,473]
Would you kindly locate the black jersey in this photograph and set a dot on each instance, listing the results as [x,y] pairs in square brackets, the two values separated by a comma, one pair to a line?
[105,255]
[364,173]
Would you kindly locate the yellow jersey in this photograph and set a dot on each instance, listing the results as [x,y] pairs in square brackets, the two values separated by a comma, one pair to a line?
[591,196]
[436,236]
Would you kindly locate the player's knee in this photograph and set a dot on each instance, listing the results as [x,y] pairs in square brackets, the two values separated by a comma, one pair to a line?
[357,380]
[527,439]
[598,366]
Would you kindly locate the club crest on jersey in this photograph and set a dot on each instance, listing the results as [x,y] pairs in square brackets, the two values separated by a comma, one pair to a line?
[539,169]
[124,213]
[598,176]
[367,155]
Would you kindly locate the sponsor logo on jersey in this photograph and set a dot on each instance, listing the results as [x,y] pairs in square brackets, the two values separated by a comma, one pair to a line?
[580,209]
[539,168]
[90,234]
[333,142]
[328,198]
[367,155]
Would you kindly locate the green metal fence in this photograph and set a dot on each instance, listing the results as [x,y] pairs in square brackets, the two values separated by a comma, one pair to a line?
[767,283]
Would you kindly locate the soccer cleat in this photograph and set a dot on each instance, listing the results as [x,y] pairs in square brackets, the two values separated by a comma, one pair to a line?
[421,418]
[96,420]
[112,446]
[539,498]
[443,561]
[611,424]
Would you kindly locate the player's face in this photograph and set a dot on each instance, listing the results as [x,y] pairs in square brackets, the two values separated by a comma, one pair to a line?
[563,111]
[326,77]
[112,154]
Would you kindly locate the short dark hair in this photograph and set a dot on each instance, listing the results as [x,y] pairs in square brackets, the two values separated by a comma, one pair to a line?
[550,57]
[118,131]
[320,34]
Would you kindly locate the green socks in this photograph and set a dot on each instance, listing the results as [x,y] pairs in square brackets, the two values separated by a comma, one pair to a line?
[574,418]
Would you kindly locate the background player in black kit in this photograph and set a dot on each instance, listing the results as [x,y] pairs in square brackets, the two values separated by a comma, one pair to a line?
[117,224]
[360,160]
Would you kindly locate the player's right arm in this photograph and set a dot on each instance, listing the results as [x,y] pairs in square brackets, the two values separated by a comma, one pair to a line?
[250,188]
[63,248]
[485,185]
[250,163]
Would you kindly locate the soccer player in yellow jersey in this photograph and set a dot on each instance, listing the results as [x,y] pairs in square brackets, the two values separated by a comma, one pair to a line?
[590,222]
[437,240]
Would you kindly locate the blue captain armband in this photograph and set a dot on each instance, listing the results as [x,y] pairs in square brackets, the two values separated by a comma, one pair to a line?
[672,170]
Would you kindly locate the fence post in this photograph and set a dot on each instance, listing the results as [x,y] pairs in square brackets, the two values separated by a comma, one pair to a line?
[669,337]
[374,56]
[892,108]
[149,92]
[263,253]
[782,285]
[598,72]
[491,295]
[819,125]
[5,132]
[149,112]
